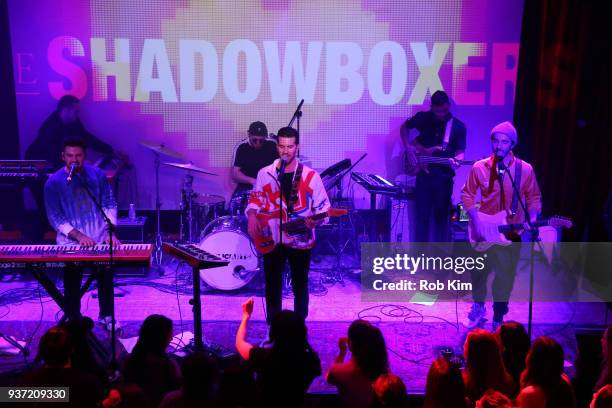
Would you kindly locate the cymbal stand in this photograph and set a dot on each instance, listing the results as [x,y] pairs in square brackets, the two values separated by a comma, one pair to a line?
[157,251]
[187,195]
[335,274]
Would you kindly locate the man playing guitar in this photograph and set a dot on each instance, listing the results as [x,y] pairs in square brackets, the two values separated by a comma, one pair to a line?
[302,194]
[489,177]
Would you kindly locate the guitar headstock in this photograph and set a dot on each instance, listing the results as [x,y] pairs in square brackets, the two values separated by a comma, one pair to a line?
[336,212]
[559,221]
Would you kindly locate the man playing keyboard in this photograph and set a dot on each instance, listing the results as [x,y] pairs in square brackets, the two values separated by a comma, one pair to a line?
[77,221]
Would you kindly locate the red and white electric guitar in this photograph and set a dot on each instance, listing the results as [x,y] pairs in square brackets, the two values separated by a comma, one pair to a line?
[496,225]
[292,229]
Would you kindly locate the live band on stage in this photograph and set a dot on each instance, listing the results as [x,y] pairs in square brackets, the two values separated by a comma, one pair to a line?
[272,216]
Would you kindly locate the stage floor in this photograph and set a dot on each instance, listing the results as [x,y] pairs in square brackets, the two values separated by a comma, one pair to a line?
[414,332]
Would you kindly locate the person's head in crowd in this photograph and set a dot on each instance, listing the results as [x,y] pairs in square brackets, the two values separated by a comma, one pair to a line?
[484,367]
[544,363]
[133,396]
[154,336]
[79,330]
[494,399]
[390,391]
[368,348]
[602,398]
[606,351]
[288,332]
[149,365]
[444,386]
[200,377]
[544,372]
[237,386]
[68,108]
[55,348]
[515,343]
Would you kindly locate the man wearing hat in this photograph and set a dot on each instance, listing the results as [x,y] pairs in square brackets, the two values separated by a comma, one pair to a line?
[251,156]
[491,179]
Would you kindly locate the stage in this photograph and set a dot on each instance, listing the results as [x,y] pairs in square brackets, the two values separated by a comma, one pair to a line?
[414,332]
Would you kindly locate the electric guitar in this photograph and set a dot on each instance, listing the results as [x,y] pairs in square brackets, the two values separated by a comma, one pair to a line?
[423,161]
[495,226]
[292,229]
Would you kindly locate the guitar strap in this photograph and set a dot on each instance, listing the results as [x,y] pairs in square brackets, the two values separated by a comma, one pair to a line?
[293,197]
[517,180]
[447,132]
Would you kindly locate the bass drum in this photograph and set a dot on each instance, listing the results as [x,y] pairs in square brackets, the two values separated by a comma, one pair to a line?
[226,240]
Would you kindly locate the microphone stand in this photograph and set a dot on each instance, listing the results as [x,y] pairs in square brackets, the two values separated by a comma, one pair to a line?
[533,238]
[113,365]
[296,115]
[281,173]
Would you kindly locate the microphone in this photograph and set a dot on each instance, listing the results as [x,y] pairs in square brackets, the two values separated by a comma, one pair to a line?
[282,168]
[71,173]
[501,167]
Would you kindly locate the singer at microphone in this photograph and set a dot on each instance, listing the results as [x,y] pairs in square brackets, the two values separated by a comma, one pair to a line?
[484,196]
[303,197]
[79,221]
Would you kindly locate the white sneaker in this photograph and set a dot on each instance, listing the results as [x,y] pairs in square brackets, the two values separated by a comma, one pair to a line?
[107,322]
[477,313]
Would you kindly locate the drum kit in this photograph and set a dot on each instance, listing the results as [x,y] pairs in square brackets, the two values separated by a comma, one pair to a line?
[207,223]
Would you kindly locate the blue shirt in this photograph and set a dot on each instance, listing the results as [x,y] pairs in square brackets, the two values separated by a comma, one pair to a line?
[69,206]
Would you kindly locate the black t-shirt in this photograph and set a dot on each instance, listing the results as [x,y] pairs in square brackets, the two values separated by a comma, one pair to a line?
[251,160]
[49,143]
[287,185]
[283,380]
[431,133]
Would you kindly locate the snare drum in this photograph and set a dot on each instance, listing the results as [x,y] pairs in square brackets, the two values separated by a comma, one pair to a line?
[206,208]
[226,239]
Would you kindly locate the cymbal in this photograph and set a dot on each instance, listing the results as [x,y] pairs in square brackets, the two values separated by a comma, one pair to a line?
[161,149]
[190,167]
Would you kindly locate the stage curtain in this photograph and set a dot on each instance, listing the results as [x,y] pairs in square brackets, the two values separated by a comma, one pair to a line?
[563,108]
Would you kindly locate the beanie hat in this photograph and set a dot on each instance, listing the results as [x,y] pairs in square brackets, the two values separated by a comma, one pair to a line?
[507,129]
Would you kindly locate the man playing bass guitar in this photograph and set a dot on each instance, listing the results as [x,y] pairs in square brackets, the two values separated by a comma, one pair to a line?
[444,136]
[303,195]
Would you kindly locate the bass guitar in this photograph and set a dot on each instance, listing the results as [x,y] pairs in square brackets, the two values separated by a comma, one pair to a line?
[423,160]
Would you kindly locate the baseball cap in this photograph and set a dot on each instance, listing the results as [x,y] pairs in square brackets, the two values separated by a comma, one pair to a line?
[258,129]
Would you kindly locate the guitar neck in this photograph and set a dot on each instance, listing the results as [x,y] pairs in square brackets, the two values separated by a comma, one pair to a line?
[440,160]
[289,225]
[516,226]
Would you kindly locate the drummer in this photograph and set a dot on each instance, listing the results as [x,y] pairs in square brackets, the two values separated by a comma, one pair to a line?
[251,156]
